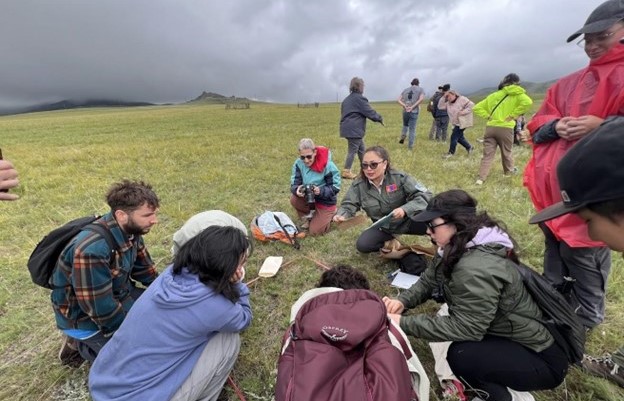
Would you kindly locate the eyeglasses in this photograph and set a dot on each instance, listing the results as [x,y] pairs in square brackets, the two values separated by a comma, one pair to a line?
[432,226]
[600,38]
[371,165]
[304,157]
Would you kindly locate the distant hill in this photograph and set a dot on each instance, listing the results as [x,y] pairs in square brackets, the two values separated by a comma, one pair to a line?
[72,104]
[534,88]
[210,97]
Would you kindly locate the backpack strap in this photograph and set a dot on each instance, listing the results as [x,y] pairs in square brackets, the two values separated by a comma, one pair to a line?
[105,233]
[495,107]
[292,238]
[395,332]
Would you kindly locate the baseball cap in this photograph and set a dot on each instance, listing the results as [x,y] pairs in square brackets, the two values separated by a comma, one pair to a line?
[591,171]
[605,15]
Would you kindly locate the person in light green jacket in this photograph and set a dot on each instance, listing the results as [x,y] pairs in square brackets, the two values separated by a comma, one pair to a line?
[501,109]
[499,344]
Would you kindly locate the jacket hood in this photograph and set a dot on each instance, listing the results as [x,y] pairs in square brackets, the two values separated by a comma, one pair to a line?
[490,235]
[514,90]
[180,290]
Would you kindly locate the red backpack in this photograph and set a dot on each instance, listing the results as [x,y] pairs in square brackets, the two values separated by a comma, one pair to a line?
[338,349]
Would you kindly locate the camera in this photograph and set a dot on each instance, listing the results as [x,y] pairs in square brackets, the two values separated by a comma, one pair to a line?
[308,195]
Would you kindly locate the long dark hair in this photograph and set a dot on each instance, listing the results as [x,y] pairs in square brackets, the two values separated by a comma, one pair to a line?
[214,255]
[382,153]
[461,210]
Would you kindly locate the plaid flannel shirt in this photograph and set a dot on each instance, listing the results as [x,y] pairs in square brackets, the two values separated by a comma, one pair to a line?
[91,293]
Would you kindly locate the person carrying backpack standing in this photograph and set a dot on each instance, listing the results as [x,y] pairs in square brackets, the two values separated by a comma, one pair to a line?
[410,99]
[91,291]
[590,177]
[440,115]
[501,109]
[499,344]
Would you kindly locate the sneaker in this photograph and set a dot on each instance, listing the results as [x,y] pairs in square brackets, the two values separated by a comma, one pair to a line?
[68,354]
[520,395]
[479,182]
[604,367]
[470,150]
[447,155]
[480,140]
[401,140]
[453,390]
[514,171]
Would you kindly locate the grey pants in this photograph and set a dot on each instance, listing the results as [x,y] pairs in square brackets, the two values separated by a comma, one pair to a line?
[211,370]
[589,266]
[356,145]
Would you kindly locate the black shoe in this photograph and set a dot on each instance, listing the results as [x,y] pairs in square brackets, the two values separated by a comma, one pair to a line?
[401,140]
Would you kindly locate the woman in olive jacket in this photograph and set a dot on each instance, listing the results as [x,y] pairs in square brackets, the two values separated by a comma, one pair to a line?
[499,345]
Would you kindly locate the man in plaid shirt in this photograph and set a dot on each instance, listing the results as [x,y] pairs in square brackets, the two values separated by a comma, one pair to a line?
[92,290]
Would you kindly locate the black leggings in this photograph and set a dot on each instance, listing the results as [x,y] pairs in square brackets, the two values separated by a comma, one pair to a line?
[495,363]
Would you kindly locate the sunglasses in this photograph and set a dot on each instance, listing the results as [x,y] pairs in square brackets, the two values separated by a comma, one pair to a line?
[432,226]
[306,157]
[371,165]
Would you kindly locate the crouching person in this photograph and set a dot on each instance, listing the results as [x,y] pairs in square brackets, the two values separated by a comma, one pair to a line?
[499,347]
[314,184]
[340,334]
[180,340]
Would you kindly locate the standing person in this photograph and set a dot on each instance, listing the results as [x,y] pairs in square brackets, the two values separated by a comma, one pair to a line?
[92,292]
[193,314]
[440,114]
[590,175]
[314,171]
[573,107]
[501,109]
[410,99]
[8,180]
[499,343]
[459,109]
[354,111]
[431,109]
[383,192]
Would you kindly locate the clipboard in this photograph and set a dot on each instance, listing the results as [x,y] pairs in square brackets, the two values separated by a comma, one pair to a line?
[381,221]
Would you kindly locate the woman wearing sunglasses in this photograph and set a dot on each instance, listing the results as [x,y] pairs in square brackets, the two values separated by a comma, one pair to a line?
[314,184]
[382,191]
[499,345]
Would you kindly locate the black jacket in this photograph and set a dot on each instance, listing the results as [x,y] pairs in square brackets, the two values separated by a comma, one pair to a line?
[354,112]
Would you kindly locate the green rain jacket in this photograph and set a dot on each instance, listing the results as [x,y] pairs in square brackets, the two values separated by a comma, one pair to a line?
[513,103]
[485,295]
[397,190]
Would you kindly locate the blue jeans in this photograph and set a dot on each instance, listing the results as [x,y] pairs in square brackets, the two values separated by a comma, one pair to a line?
[409,121]
[458,136]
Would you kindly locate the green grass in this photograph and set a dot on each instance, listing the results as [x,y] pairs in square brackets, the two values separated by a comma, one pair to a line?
[201,157]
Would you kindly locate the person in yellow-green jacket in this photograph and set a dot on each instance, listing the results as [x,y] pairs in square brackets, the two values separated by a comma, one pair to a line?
[501,109]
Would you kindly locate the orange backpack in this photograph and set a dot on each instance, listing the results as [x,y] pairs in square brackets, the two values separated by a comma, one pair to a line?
[276,226]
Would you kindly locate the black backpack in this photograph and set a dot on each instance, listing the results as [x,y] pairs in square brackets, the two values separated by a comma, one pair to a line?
[44,257]
[559,317]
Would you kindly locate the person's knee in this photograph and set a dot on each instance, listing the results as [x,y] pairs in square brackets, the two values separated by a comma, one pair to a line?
[364,246]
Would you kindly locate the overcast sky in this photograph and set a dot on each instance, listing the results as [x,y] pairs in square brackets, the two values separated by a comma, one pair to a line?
[282,50]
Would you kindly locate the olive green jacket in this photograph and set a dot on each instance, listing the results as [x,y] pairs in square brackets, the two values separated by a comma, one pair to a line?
[397,190]
[485,295]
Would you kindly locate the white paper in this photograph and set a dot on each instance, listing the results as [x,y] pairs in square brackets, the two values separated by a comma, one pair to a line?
[404,280]
[270,266]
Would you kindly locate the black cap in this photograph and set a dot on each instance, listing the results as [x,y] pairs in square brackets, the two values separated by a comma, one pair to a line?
[603,17]
[591,171]
[446,87]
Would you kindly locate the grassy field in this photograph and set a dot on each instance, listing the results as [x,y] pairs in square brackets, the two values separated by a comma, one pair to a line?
[201,157]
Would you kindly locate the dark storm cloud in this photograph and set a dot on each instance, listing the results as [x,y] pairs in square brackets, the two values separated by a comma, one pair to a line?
[288,51]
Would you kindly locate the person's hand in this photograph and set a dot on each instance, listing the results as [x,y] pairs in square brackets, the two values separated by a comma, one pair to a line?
[395,318]
[238,275]
[317,190]
[338,219]
[398,213]
[8,179]
[510,118]
[581,126]
[299,191]
[393,305]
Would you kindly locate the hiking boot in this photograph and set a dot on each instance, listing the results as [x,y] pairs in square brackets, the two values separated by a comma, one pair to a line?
[604,367]
[68,354]
[402,140]
[470,150]
[348,175]
[514,171]
[453,390]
